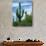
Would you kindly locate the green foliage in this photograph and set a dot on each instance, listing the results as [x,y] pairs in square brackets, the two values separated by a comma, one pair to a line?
[26,22]
[19,12]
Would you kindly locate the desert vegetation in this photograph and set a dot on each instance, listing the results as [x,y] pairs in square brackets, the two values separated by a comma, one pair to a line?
[27,21]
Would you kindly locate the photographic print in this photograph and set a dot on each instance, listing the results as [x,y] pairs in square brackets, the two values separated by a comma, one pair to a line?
[22,13]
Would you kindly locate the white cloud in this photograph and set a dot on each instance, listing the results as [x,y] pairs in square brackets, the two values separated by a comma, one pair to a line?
[28,9]
[15,5]
[25,4]
[21,0]
[22,4]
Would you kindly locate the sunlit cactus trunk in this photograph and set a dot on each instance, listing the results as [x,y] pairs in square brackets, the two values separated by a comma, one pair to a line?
[19,12]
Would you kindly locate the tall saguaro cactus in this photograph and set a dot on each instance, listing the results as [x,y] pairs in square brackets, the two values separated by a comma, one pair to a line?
[19,12]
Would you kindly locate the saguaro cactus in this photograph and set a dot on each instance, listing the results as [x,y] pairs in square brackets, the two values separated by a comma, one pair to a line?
[19,12]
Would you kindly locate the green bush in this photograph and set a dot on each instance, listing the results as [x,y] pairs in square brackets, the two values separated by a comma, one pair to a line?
[26,22]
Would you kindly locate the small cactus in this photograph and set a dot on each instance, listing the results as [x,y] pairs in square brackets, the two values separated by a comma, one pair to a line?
[8,38]
[38,40]
[28,40]
[35,40]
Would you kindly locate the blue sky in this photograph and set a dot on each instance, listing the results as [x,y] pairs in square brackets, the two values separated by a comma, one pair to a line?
[25,4]
[22,0]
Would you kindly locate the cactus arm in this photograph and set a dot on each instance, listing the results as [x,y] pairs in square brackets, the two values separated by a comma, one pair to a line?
[22,13]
